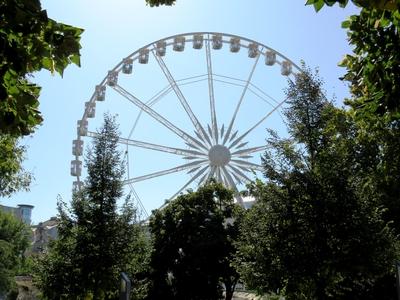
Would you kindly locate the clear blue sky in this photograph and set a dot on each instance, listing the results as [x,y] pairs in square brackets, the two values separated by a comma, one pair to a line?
[114,29]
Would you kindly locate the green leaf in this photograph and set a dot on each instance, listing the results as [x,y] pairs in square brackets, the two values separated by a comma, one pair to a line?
[310,2]
[330,2]
[346,24]
[318,5]
[76,59]
[34,42]
[48,64]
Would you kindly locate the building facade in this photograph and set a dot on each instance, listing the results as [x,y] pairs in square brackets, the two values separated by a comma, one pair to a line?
[22,212]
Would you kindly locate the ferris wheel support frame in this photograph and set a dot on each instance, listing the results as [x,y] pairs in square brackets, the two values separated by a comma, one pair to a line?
[223,151]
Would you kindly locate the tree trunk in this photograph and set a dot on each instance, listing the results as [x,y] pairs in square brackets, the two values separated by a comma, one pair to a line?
[229,293]
[230,288]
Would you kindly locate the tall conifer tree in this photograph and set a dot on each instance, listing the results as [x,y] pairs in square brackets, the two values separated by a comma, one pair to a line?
[96,241]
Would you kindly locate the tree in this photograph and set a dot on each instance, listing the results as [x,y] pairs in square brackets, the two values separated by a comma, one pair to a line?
[95,242]
[376,4]
[160,2]
[29,42]
[12,175]
[193,245]
[317,230]
[14,240]
[373,70]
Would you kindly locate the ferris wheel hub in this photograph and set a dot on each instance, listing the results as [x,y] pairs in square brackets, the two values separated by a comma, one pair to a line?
[219,155]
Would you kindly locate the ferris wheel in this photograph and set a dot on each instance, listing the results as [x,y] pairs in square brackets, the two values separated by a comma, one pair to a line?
[191,107]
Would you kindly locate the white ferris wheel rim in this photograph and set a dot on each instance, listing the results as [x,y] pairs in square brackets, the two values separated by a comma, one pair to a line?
[216,159]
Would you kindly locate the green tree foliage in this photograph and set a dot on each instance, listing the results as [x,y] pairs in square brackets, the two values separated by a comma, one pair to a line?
[12,175]
[14,239]
[96,242]
[29,42]
[377,4]
[317,230]
[373,70]
[193,245]
[157,3]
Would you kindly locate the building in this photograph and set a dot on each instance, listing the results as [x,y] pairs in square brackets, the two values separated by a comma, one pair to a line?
[43,233]
[23,212]
[248,201]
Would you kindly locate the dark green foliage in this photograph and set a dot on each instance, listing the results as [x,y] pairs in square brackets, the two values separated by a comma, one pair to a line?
[29,42]
[193,245]
[12,175]
[378,4]
[96,242]
[14,240]
[318,230]
[373,70]
[153,3]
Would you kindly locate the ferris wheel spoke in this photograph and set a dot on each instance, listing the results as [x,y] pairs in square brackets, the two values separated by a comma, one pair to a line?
[232,184]
[207,176]
[203,179]
[138,201]
[241,82]
[234,175]
[166,172]
[235,142]
[157,97]
[195,176]
[228,132]
[224,180]
[188,138]
[212,172]
[182,98]
[229,179]
[218,175]
[248,166]
[239,173]
[265,94]
[211,93]
[177,151]
[249,150]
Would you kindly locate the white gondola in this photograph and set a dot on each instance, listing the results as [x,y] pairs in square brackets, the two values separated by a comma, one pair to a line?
[90,108]
[77,186]
[217,41]
[76,167]
[161,48]
[253,50]
[82,127]
[143,56]
[179,43]
[270,58]
[112,78]
[127,66]
[197,41]
[77,147]
[286,68]
[100,92]
[235,45]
